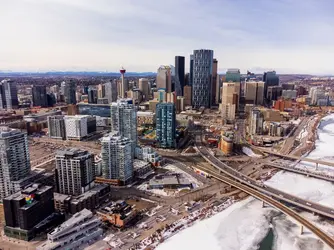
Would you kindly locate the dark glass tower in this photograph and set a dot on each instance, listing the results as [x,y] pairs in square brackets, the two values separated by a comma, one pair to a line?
[202,78]
[39,96]
[270,79]
[179,71]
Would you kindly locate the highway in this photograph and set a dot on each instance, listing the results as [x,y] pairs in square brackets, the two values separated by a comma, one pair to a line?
[322,235]
[222,167]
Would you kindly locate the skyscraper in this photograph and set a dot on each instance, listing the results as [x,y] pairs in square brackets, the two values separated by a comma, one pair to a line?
[124,121]
[39,96]
[165,125]
[111,91]
[256,122]
[92,95]
[15,159]
[215,83]
[164,78]
[233,75]
[254,92]
[75,171]
[270,79]
[117,160]
[187,95]
[144,87]
[202,77]
[191,70]
[179,71]
[70,90]
[101,91]
[8,95]
[230,99]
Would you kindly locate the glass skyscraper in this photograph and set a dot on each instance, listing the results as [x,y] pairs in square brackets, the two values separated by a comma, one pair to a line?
[179,71]
[270,79]
[233,75]
[202,77]
[165,125]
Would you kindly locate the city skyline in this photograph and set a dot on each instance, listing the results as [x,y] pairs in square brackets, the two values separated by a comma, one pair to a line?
[288,36]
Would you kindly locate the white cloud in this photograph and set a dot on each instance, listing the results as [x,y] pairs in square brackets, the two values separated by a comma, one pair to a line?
[141,35]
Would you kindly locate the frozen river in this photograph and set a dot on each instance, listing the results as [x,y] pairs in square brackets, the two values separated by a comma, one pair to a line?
[247,226]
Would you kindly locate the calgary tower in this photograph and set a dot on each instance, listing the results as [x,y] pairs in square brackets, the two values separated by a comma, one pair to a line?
[123,87]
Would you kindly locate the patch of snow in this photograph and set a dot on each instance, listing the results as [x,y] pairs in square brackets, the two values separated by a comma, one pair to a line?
[249,152]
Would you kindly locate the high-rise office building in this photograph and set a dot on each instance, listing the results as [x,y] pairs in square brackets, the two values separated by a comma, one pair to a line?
[179,71]
[270,79]
[75,171]
[187,95]
[191,70]
[70,92]
[273,93]
[254,92]
[8,95]
[124,120]
[144,87]
[215,83]
[56,127]
[39,96]
[165,125]
[164,78]
[256,122]
[233,75]
[202,78]
[101,91]
[230,99]
[111,91]
[25,209]
[92,95]
[15,159]
[117,159]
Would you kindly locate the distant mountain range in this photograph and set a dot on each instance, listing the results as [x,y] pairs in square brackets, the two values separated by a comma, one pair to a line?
[74,73]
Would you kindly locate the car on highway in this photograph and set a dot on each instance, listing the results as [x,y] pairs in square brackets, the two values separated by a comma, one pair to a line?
[309,204]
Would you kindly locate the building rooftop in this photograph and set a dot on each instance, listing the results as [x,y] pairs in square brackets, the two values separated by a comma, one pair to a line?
[7,132]
[174,179]
[73,152]
[138,164]
[76,218]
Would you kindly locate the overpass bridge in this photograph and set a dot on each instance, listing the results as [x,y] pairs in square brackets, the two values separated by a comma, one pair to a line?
[272,192]
[298,159]
[302,171]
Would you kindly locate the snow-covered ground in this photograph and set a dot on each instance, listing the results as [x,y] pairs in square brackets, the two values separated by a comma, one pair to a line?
[244,224]
[249,152]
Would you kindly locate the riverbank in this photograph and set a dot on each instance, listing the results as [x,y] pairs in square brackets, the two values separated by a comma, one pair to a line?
[307,137]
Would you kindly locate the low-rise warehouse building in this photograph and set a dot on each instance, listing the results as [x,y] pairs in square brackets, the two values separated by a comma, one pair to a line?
[171,181]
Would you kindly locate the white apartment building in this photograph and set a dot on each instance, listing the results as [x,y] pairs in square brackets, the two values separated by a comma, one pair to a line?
[117,160]
[78,127]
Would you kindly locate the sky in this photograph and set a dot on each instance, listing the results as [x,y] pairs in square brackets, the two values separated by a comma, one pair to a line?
[290,36]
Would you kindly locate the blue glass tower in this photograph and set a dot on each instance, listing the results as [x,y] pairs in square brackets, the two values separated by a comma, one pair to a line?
[165,125]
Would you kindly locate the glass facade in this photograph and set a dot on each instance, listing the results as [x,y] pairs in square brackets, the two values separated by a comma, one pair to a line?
[233,75]
[202,77]
[166,125]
